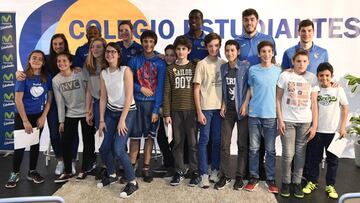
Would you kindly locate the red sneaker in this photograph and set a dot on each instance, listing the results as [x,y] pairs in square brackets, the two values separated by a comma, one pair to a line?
[251,185]
[271,185]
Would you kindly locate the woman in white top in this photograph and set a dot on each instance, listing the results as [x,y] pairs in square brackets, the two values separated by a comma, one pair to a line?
[117,114]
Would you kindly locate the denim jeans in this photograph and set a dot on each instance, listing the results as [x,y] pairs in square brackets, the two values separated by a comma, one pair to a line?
[267,128]
[117,143]
[315,149]
[213,125]
[55,138]
[293,148]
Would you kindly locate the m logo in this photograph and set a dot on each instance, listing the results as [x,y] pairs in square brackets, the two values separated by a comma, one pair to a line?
[7,39]
[9,96]
[9,135]
[8,58]
[8,77]
[8,115]
[6,19]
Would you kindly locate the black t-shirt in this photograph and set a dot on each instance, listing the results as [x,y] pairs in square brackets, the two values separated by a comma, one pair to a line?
[230,88]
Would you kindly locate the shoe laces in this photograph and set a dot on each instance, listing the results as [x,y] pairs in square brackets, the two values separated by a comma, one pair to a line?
[310,186]
[330,189]
[13,177]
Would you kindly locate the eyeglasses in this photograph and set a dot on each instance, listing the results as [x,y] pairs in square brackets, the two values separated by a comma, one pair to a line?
[110,51]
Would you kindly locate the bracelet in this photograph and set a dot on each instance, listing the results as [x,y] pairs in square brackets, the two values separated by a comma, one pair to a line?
[25,121]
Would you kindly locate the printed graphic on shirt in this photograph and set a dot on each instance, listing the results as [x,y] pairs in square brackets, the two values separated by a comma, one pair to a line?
[298,95]
[183,78]
[230,83]
[147,76]
[326,99]
[71,85]
[36,90]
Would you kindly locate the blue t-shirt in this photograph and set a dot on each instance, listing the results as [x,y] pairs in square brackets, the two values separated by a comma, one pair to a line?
[317,55]
[127,53]
[80,55]
[263,81]
[198,50]
[35,93]
[248,47]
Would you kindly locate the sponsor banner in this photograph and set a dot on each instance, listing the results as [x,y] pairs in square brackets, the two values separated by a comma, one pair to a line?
[7,74]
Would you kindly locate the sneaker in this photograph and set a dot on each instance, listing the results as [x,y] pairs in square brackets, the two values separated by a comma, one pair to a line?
[195,179]
[147,176]
[330,189]
[214,176]
[35,177]
[129,190]
[252,184]
[285,190]
[271,185]
[204,183]
[64,177]
[177,178]
[310,186]
[222,183]
[81,176]
[13,179]
[73,168]
[59,168]
[161,169]
[298,191]
[107,180]
[239,183]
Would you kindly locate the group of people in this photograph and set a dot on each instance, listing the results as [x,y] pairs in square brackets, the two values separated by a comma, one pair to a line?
[127,90]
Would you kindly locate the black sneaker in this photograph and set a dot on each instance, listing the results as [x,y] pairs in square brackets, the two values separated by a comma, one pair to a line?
[222,183]
[100,173]
[285,190]
[35,177]
[147,176]
[195,179]
[63,178]
[298,191]
[239,183]
[107,180]
[177,178]
[129,190]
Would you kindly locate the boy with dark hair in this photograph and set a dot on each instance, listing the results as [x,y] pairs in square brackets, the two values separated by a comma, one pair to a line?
[129,48]
[179,110]
[262,116]
[333,108]
[234,106]
[149,75]
[317,54]
[297,114]
[207,95]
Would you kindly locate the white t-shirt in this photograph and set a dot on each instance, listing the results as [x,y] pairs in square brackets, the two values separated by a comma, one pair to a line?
[207,74]
[329,100]
[114,83]
[296,101]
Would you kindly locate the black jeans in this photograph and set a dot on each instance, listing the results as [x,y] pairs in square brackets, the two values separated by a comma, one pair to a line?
[34,149]
[71,130]
[164,146]
[315,154]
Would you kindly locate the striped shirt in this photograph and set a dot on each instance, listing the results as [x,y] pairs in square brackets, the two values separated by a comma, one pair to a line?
[114,83]
[179,88]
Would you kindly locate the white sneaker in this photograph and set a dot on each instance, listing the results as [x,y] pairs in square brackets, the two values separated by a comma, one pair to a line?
[204,183]
[214,176]
[59,168]
[73,167]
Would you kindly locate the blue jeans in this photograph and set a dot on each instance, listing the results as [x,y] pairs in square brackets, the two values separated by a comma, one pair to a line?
[213,125]
[55,138]
[96,112]
[267,128]
[113,142]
